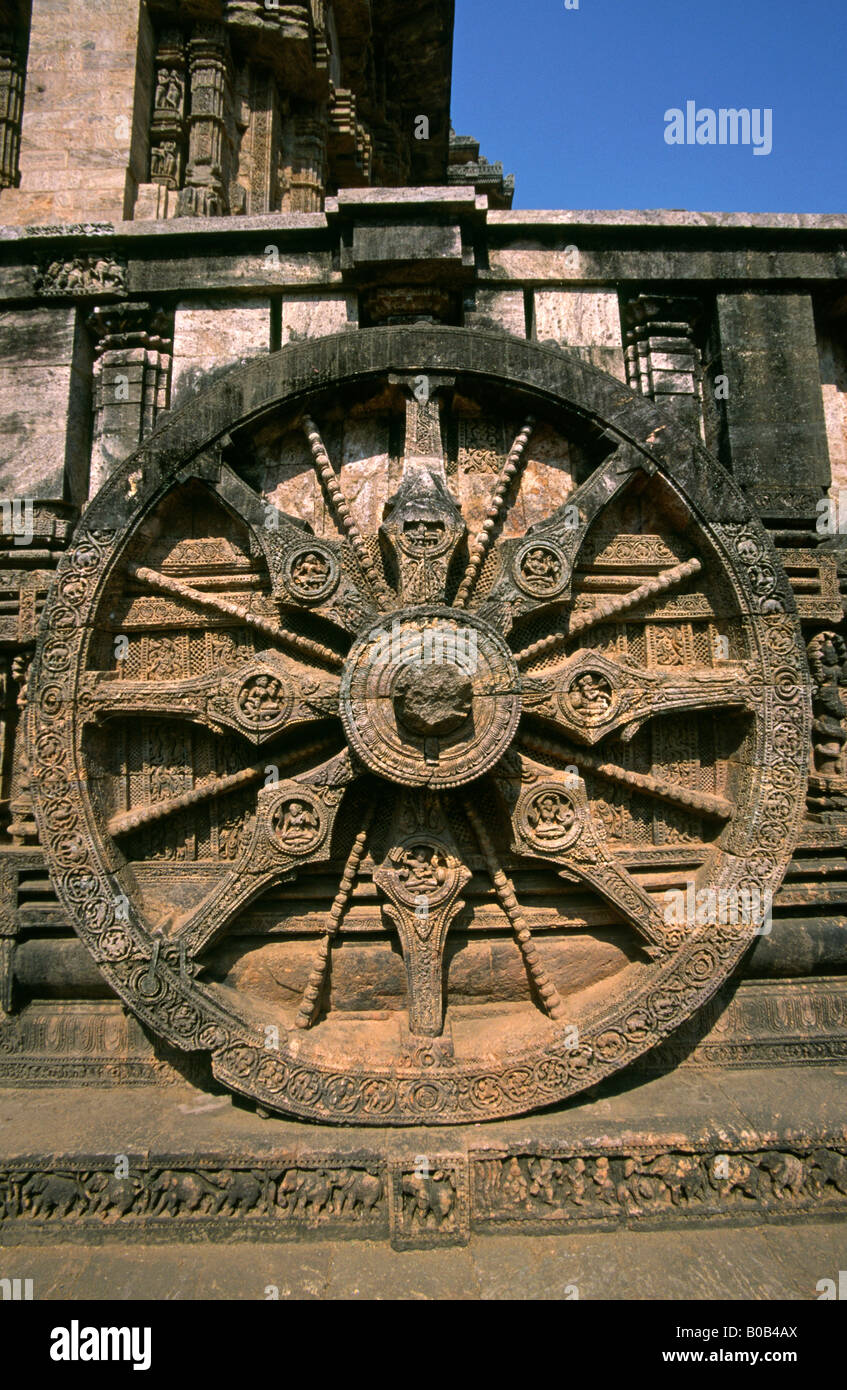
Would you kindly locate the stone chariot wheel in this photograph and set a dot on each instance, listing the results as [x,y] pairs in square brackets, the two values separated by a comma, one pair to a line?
[418,727]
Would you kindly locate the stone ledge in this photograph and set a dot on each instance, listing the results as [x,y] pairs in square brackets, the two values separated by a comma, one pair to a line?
[364,202]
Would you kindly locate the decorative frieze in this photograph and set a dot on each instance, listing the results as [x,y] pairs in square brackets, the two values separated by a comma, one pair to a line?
[91,273]
[660,1185]
[827,654]
[425,1202]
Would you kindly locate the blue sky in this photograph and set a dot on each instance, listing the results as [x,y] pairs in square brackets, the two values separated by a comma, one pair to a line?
[573,101]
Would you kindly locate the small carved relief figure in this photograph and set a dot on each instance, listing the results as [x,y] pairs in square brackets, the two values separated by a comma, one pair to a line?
[828,1167]
[575,1172]
[261,700]
[422,869]
[21,663]
[515,1185]
[433,1199]
[603,1182]
[423,533]
[163,661]
[670,647]
[828,664]
[544,1173]
[226,649]
[748,548]
[611,810]
[297,825]
[71,276]
[636,1188]
[551,816]
[787,1173]
[81,273]
[52,1194]
[590,695]
[356,1192]
[163,162]
[231,836]
[169,90]
[310,572]
[107,274]
[541,568]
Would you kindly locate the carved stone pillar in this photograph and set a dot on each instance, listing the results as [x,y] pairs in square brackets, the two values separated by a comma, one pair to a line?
[12,76]
[205,191]
[132,371]
[259,150]
[662,353]
[22,827]
[305,162]
[168,128]
[827,653]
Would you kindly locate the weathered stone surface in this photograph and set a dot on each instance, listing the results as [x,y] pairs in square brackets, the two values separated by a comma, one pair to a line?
[213,335]
[587,320]
[774,410]
[45,394]
[503,309]
[80,161]
[778,1262]
[314,316]
[833,368]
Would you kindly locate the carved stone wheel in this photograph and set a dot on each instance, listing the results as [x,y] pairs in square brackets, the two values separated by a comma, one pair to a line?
[388,697]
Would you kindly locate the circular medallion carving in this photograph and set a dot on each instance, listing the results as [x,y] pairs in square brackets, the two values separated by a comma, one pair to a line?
[548,818]
[311,573]
[297,824]
[263,701]
[590,698]
[541,570]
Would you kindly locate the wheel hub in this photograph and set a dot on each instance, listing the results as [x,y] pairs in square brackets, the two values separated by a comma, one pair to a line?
[430,697]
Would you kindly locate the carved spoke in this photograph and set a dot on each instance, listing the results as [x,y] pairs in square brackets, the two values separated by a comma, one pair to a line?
[536,570]
[305,573]
[317,977]
[292,826]
[551,820]
[314,651]
[591,696]
[423,527]
[126,821]
[609,608]
[687,798]
[341,512]
[505,890]
[259,700]
[494,515]
[421,879]
[197,930]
